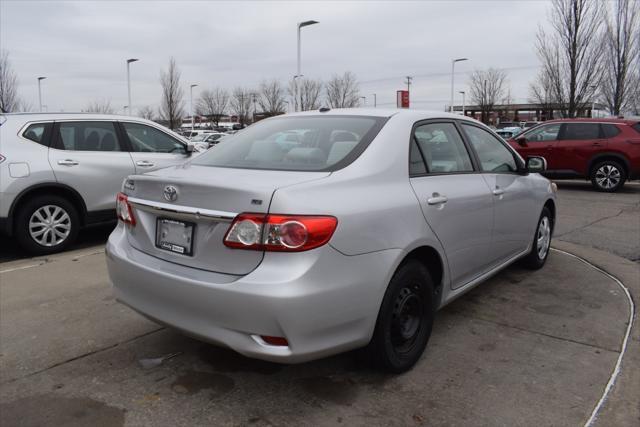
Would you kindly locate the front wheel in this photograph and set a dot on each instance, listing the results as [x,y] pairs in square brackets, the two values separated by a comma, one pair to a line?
[405,319]
[608,176]
[541,241]
[46,224]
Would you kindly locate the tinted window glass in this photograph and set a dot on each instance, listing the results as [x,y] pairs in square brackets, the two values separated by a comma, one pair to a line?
[88,136]
[610,130]
[636,127]
[36,133]
[442,148]
[493,155]
[543,133]
[151,140]
[416,164]
[305,143]
[581,131]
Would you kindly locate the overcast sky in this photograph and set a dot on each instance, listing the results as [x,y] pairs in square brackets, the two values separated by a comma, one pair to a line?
[81,47]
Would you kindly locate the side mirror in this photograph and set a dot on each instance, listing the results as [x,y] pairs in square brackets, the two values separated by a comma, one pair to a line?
[536,164]
[521,140]
[189,148]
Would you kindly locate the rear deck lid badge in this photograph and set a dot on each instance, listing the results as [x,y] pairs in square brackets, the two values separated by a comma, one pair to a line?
[170,193]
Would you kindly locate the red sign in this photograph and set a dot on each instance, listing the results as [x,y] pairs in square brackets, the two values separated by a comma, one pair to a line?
[402,98]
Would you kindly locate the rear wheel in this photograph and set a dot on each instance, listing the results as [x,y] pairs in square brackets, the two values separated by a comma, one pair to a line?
[405,319]
[46,224]
[608,176]
[541,241]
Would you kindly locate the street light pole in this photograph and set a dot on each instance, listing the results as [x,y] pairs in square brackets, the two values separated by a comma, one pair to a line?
[129,61]
[462,92]
[453,66]
[191,106]
[40,92]
[299,73]
[375,101]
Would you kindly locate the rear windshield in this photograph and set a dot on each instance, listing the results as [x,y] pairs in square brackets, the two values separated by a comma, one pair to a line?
[302,143]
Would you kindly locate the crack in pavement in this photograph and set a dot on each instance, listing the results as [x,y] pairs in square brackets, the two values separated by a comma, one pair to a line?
[82,356]
[591,223]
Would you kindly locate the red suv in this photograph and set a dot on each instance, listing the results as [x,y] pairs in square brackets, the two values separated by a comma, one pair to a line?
[606,151]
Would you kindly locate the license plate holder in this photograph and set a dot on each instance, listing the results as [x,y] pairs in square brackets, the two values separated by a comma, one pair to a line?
[175,236]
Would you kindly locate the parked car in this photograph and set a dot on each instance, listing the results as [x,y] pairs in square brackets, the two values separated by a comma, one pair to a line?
[507,133]
[605,151]
[528,125]
[352,238]
[208,139]
[503,125]
[60,172]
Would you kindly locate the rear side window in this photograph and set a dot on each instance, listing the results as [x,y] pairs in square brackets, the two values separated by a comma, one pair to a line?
[87,136]
[147,139]
[581,131]
[38,132]
[636,127]
[442,148]
[303,143]
[610,130]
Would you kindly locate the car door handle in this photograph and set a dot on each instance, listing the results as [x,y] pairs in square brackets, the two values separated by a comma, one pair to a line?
[498,192]
[437,200]
[68,162]
[145,163]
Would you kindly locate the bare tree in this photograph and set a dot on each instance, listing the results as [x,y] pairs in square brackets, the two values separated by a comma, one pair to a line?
[272,97]
[571,52]
[101,106]
[541,92]
[213,104]
[305,94]
[24,106]
[241,104]
[487,87]
[8,85]
[172,104]
[343,91]
[147,112]
[621,44]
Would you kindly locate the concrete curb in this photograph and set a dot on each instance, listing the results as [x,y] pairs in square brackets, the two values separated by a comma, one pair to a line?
[622,405]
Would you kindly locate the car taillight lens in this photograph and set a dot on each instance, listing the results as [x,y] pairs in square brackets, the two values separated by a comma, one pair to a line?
[123,209]
[279,233]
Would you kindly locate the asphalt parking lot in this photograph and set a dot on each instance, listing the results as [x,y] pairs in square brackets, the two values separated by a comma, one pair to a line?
[522,349]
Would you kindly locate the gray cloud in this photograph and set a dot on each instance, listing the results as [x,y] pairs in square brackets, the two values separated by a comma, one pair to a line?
[82,46]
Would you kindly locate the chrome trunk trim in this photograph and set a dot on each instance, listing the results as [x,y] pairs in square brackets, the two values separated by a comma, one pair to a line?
[185,212]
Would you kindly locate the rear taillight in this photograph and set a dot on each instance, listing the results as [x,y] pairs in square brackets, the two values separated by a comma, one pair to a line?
[279,233]
[123,209]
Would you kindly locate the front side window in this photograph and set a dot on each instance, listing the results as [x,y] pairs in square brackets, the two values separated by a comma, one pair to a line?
[493,155]
[442,148]
[573,131]
[36,132]
[544,133]
[147,139]
[304,143]
[87,136]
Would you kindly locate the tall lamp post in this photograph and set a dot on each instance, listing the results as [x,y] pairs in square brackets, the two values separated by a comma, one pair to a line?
[40,92]
[129,61]
[463,93]
[375,101]
[299,73]
[191,106]
[593,103]
[453,66]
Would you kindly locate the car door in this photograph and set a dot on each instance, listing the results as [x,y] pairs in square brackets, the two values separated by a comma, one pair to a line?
[89,157]
[152,148]
[579,141]
[454,198]
[514,208]
[540,141]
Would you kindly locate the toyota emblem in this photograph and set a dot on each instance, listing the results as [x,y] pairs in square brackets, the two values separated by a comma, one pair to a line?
[170,193]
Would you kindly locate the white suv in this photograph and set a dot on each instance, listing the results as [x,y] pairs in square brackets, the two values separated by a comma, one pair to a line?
[60,172]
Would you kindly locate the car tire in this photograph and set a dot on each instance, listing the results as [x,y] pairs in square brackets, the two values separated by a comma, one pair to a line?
[608,176]
[541,244]
[405,320]
[46,224]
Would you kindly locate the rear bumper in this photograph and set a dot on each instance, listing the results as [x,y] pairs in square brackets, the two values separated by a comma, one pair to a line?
[321,301]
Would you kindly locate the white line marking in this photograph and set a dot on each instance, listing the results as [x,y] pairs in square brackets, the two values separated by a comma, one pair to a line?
[623,348]
[22,267]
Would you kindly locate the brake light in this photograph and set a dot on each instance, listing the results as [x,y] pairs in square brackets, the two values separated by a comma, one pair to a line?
[123,209]
[279,233]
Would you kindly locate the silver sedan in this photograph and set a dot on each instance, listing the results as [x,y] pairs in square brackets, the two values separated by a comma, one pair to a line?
[350,235]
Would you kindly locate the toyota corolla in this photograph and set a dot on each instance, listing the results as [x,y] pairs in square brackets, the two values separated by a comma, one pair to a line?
[351,235]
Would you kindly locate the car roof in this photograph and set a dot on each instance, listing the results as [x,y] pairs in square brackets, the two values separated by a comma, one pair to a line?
[68,116]
[594,120]
[384,112]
